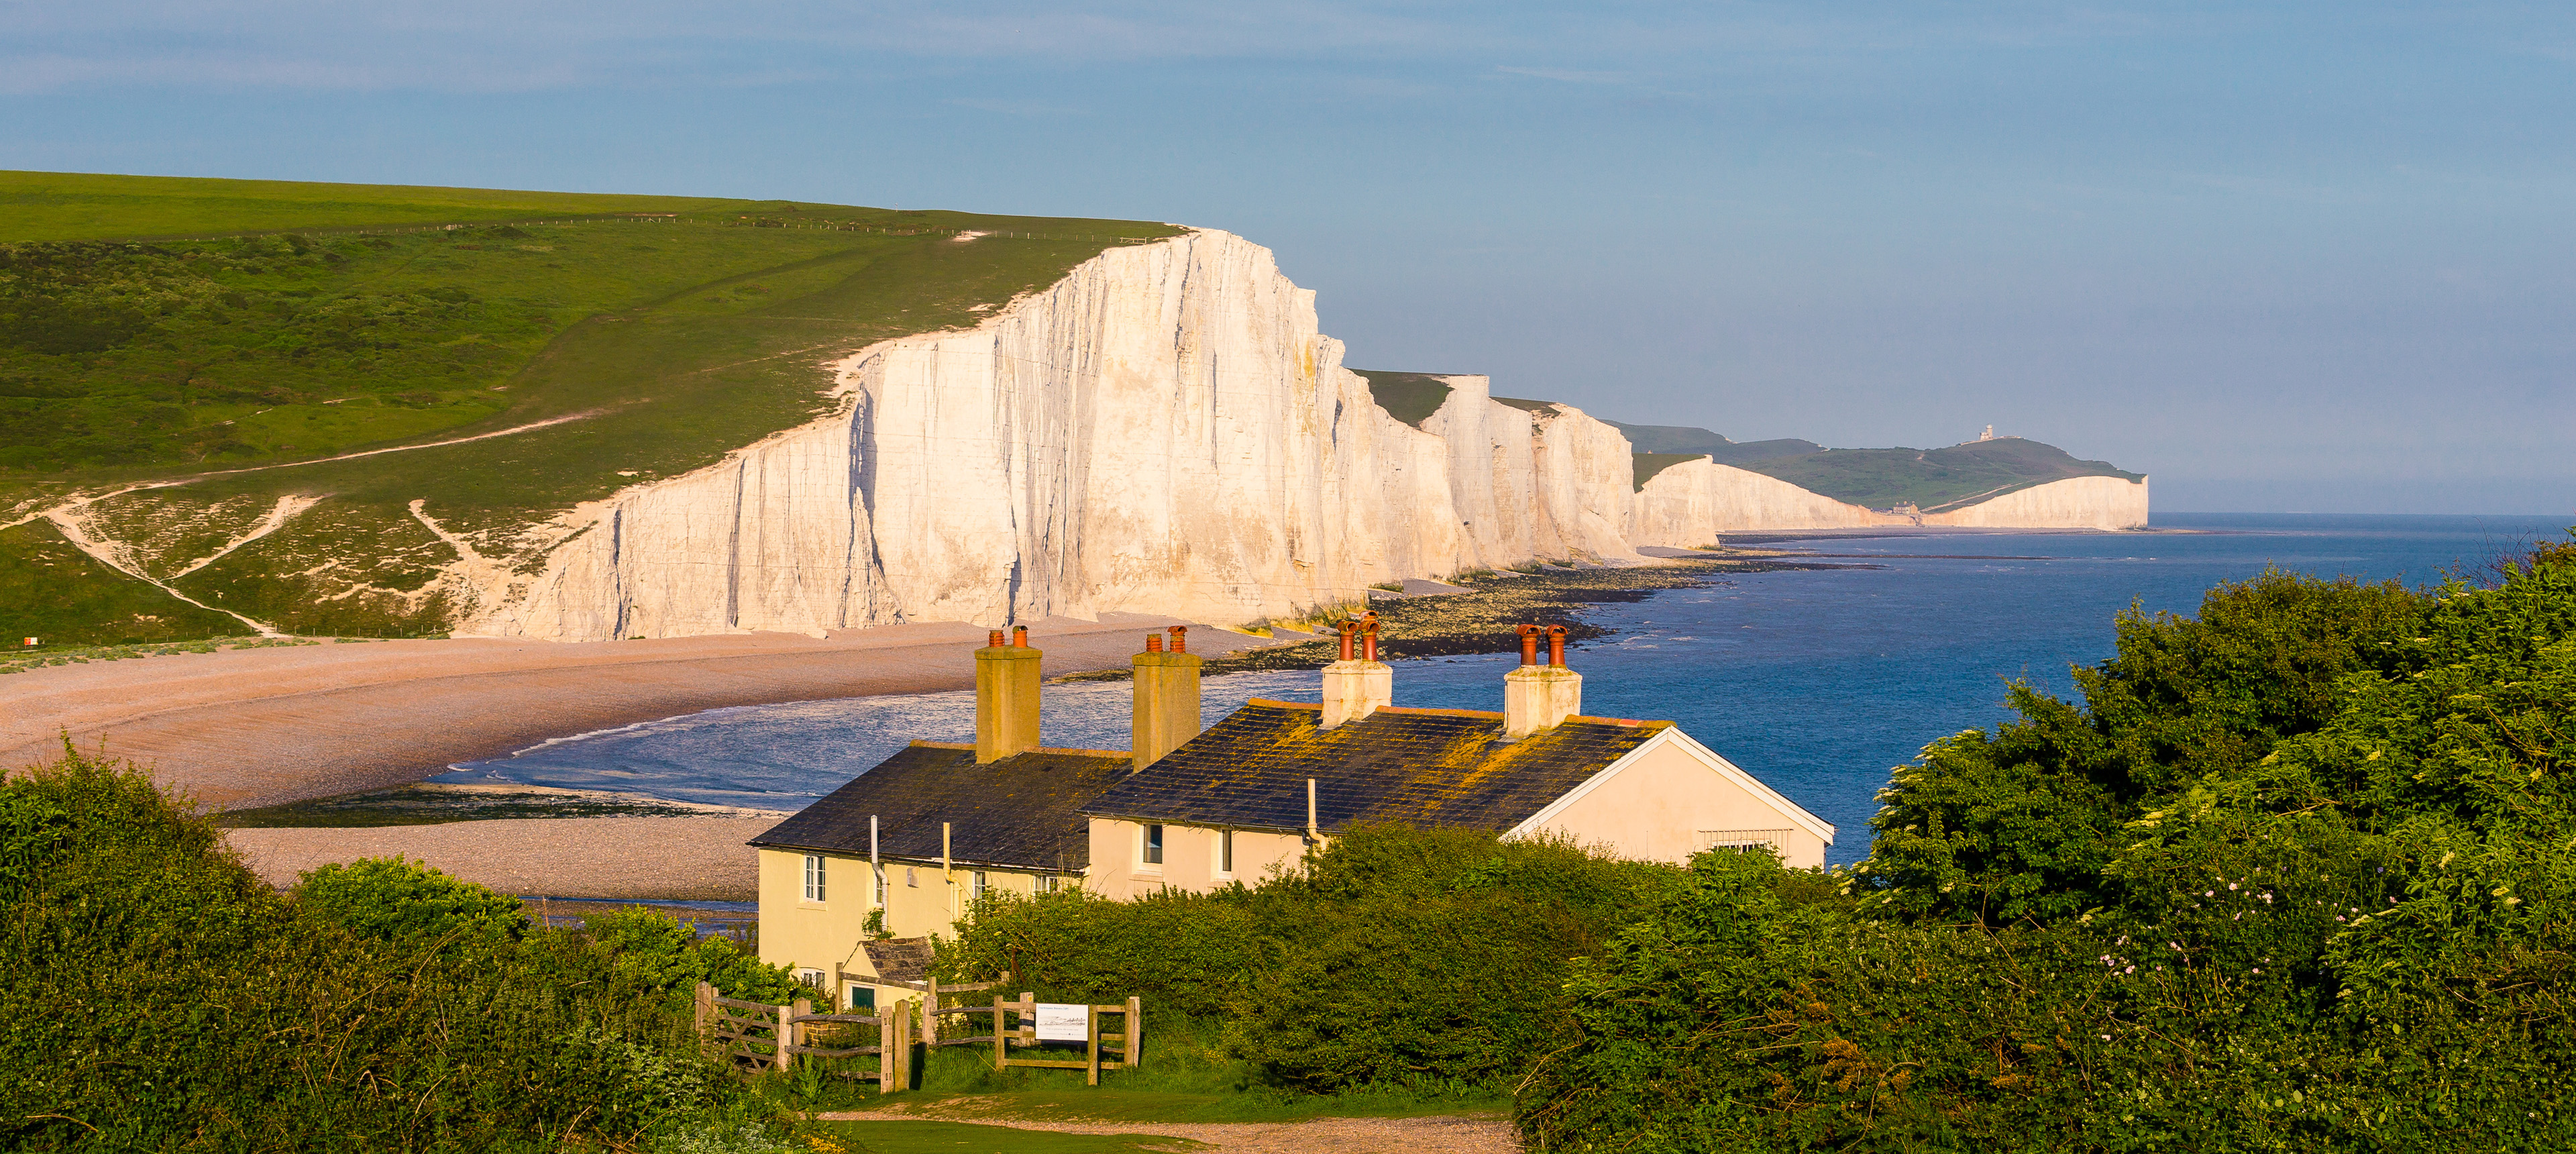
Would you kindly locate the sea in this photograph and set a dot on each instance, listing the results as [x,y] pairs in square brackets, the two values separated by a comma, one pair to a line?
[1817,681]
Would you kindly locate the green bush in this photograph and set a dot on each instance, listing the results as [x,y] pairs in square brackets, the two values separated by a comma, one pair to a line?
[160,997]
[394,900]
[1396,957]
[2293,876]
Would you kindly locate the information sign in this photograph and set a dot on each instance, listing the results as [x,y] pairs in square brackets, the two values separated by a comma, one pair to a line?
[1063,1022]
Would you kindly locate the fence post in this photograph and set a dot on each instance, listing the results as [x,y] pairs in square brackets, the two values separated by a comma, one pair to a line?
[929,1016]
[901,1059]
[1135,1032]
[704,1018]
[1001,1049]
[1091,1059]
[778,1061]
[796,1032]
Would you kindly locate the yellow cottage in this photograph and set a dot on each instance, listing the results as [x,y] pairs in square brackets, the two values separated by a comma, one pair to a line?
[903,851]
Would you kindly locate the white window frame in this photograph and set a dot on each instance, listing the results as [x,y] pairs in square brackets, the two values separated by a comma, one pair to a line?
[980,884]
[1225,853]
[1151,839]
[879,871]
[815,877]
[910,878]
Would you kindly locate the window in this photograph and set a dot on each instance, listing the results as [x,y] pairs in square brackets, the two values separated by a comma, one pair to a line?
[863,997]
[881,886]
[1153,845]
[813,877]
[908,877]
[1046,883]
[979,883]
[1225,851]
[813,979]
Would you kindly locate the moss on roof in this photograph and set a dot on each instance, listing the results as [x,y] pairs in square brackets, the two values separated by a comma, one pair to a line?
[1420,767]
[1019,812]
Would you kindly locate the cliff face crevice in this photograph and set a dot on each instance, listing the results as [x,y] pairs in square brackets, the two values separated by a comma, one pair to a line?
[1163,430]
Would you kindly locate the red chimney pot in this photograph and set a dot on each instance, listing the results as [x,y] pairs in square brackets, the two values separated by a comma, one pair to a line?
[995,640]
[1019,637]
[1368,636]
[1153,643]
[1347,628]
[1556,645]
[1529,644]
[1180,638]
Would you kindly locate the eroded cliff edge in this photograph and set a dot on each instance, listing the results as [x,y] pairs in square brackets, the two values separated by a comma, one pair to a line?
[1165,429]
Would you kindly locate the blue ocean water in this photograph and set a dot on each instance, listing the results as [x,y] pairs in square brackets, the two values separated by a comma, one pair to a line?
[1817,682]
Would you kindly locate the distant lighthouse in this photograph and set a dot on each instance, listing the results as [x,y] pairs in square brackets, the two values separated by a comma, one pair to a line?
[1988,435]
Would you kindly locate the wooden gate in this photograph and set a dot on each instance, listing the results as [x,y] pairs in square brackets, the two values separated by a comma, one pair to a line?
[756,1036]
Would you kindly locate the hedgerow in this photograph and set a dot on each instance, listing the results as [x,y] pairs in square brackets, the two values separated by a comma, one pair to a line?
[1393,957]
[161,997]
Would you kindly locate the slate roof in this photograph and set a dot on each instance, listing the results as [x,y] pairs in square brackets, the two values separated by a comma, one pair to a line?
[900,959]
[1421,767]
[1021,812]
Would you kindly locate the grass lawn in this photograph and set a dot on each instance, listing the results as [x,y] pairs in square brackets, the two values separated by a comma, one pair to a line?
[50,206]
[668,340]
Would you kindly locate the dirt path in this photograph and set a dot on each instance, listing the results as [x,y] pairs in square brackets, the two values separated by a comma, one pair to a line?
[1449,1135]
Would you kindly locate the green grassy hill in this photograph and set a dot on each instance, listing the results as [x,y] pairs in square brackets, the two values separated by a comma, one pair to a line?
[1933,479]
[346,318]
[1408,397]
[1696,442]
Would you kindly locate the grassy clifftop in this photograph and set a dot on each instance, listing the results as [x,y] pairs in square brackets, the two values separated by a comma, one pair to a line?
[657,333]
[1933,479]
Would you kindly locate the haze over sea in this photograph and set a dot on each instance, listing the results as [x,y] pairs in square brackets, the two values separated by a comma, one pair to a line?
[1817,682]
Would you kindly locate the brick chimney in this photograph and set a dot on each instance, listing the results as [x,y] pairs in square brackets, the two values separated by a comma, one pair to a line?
[1358,684]
[1006,696]
[1535,696]
[1167,696]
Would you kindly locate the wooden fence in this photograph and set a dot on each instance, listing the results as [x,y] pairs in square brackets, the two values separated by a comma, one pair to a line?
[758,1036]
[1128,1042]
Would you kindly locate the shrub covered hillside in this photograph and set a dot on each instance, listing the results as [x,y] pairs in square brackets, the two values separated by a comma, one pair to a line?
[160,998]
[2296,874]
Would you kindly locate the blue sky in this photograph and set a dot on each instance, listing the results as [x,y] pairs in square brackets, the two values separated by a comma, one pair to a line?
[2281,256]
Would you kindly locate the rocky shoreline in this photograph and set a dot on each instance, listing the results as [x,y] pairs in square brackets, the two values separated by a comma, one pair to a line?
[1481,618]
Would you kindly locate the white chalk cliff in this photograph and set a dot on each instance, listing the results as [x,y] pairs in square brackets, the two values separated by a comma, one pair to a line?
[1695,502]
[1164,430]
